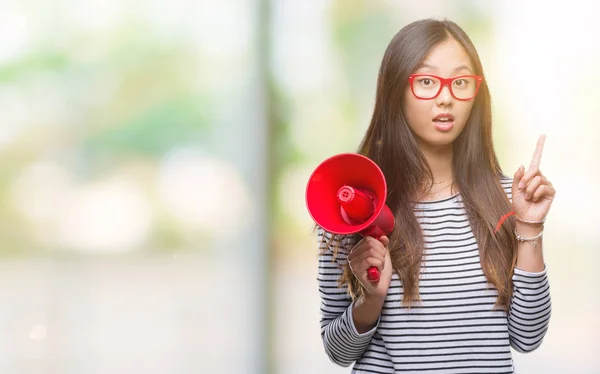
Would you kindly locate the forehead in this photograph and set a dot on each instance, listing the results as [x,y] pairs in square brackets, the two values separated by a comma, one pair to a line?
[446,58]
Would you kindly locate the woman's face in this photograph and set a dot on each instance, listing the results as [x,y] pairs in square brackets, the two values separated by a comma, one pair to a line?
[438,122]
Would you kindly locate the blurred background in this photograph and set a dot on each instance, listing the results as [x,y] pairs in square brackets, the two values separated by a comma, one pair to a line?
[154,155]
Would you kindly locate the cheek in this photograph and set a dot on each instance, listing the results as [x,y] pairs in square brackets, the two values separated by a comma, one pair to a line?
[417,112]
[463,111]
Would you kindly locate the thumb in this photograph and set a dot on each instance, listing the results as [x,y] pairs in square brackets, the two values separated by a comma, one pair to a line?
[384,240]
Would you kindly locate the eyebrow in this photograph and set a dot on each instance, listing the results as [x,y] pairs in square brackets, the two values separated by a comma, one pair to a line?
[457,69]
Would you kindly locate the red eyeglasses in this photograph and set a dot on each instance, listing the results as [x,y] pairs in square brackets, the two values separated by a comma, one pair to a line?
[427,87]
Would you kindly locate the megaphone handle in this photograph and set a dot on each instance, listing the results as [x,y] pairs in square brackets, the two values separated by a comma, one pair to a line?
[376,232]
[373,274]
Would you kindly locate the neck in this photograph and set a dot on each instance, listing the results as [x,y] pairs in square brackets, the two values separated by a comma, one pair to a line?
[440,162]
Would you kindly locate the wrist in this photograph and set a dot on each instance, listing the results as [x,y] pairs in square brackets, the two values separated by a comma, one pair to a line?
[371,299]
[528,230]
[365,313]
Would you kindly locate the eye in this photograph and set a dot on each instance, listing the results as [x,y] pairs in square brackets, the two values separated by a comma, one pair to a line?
[426,82]
[461,83]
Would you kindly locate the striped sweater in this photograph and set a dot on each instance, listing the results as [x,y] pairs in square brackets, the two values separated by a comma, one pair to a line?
[455,328]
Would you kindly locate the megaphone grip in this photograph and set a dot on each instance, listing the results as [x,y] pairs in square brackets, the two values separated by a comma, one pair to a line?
[373,274]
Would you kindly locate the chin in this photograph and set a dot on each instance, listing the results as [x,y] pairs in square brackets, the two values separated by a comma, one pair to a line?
[441,140]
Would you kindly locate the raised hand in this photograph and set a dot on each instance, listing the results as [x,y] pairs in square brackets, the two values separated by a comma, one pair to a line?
[532,192]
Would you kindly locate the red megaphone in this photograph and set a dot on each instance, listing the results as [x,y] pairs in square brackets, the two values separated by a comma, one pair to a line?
[346,195]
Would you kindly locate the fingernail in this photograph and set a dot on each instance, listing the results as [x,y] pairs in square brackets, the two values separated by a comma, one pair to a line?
[521,185]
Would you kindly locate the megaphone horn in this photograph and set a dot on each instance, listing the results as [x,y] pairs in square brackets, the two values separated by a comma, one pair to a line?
[346,194]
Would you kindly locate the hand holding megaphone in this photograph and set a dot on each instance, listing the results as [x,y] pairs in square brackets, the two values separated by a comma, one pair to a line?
[346,195]
[368,254]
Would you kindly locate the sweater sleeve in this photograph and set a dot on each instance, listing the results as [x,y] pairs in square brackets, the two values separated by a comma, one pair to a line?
[530,309]
[342,342]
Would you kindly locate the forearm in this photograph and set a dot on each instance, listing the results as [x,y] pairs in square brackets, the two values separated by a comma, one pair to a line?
[365,313]
[343,340]
[529,257]
[530,310]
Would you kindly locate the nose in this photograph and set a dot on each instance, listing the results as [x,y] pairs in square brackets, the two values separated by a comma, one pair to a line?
[445,97]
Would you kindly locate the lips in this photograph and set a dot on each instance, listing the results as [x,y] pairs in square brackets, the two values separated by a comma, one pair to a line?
[444,122]
[444,117]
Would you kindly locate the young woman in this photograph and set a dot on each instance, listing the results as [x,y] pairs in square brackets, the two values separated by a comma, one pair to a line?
[455,294]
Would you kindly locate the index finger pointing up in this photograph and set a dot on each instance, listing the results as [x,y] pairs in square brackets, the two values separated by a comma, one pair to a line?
[537,154]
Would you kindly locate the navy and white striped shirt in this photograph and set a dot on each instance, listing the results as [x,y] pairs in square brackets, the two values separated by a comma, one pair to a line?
[455,329]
